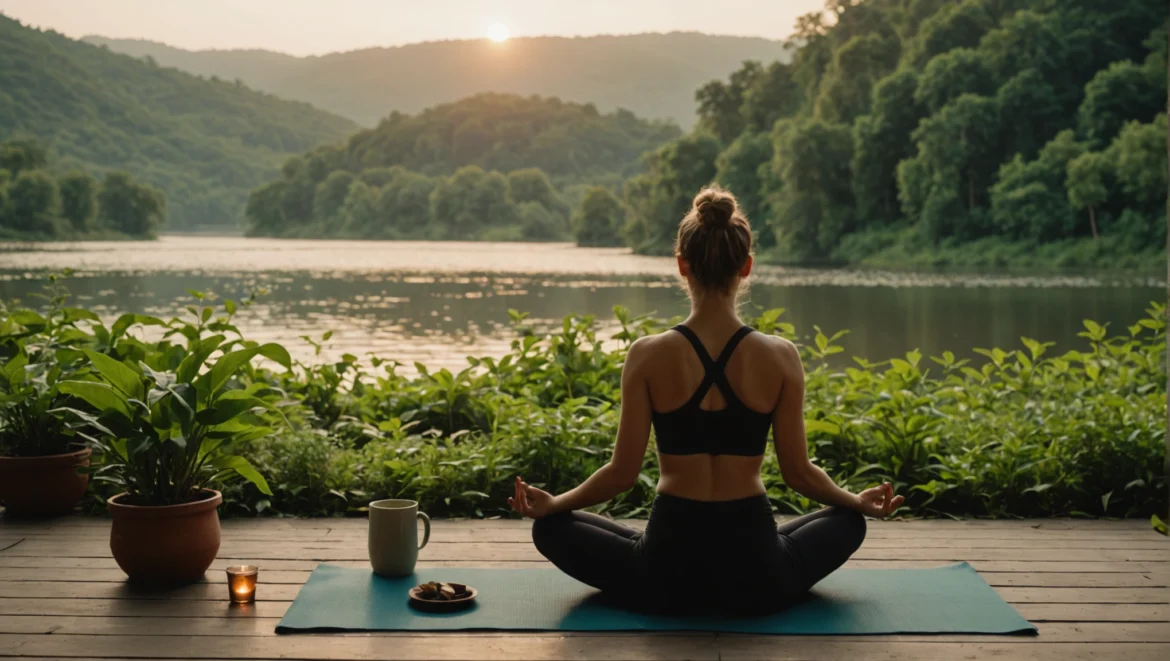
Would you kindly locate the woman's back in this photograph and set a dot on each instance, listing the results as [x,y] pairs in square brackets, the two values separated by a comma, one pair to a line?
[711,449]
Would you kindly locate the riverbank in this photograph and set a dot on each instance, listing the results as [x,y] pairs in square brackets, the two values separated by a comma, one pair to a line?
[1017,431]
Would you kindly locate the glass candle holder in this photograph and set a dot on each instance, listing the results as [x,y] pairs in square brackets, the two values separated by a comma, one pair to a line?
[242,583]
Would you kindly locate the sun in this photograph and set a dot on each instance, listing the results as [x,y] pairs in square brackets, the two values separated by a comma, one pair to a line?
[498,32]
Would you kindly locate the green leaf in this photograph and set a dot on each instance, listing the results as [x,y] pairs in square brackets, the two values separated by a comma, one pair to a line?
[276,353]
[101,396]
[78,314]
[189,368]
[244,469]
[118,374]
[821,426]
[226,409]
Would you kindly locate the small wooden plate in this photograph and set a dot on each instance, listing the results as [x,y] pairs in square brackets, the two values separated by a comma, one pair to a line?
[433,606]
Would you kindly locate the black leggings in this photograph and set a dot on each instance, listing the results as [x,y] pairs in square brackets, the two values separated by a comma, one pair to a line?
[695,555]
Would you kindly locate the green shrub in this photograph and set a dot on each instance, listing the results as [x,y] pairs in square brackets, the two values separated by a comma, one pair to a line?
[1020,432]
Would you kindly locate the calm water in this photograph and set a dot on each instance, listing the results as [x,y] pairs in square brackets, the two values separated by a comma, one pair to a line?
[438,302]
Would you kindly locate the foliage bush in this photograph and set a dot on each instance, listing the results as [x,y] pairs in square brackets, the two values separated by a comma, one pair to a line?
[1019,432]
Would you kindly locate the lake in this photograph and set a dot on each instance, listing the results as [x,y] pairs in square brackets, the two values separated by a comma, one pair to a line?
[438,302]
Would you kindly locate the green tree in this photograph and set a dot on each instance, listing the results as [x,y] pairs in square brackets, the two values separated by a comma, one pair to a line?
[659,199]
[20,154]
[1123,92]
[359,211]
[129,207]
[33,202]
[468,202]
[533,185]
[720,103]
[773,94]
[954,164]
[599,219]
[959,25]
[814,206]
[1139,155]
[1087,190]
[1029,200]
[405,203]
[265,209]
[538,223]
[880,141]
[78,199]
[857,65]
[952,74]
[1030,113]
[742,169]
[330,195]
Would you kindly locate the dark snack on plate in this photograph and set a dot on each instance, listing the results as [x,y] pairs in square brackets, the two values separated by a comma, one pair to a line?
[436,591]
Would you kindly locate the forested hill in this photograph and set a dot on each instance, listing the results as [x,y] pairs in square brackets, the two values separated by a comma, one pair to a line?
[492,166]
[974,131]
[205,143]
[653,75]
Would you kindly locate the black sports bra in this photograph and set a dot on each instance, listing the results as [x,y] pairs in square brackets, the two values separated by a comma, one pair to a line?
[735,430]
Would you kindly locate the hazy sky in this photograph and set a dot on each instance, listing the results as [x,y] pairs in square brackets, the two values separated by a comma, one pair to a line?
[307,27]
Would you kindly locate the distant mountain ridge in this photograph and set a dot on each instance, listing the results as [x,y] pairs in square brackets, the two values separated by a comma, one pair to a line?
[205,143]
[654,75]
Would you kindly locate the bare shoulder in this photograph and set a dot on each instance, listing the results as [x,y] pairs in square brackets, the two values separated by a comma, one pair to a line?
[782,352]
[643,351]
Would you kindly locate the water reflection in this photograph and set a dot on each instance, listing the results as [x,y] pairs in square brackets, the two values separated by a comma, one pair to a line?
[436,303]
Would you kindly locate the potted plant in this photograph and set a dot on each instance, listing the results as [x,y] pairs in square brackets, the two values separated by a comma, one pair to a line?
[166,437]
[41,462]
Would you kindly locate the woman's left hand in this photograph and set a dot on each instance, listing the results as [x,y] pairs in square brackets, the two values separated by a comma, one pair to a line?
[530,501]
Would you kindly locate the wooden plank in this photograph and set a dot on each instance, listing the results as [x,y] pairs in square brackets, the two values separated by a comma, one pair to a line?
[502,537]
[930,525]
[554,648]
[1083,632]
[1003,566]
[364,647]
[497,551]
[295,577]
[136,608]
[503,531]
[279,592]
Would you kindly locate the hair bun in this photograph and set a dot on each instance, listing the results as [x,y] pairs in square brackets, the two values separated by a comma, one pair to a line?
[715,207]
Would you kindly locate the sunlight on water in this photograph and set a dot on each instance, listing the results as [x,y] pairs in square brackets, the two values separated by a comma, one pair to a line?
[438,302]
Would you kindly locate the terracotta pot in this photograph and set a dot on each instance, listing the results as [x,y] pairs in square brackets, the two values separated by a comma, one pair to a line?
[43,486]
[167,544]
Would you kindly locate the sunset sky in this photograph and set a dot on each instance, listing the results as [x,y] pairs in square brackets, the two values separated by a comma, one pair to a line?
[305,27]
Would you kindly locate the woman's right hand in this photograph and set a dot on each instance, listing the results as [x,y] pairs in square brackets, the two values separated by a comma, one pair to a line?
[879,502]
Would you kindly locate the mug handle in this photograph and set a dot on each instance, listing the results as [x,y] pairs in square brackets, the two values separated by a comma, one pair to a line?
[426,528]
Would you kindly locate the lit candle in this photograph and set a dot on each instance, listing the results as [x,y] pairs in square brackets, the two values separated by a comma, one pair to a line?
[242,583]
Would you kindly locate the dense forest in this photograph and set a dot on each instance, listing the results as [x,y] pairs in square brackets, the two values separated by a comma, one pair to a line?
[493,166]
[978,132]
[652,75]
[38,202]
[204,142]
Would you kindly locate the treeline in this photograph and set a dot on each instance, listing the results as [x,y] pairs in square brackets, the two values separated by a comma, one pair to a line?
[981,131]
[37,203]
[205,142]
[441,174]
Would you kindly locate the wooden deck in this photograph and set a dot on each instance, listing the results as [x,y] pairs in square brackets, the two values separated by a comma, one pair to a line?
[1096,589]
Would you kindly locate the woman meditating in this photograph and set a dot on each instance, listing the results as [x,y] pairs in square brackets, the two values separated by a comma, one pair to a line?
[710,388]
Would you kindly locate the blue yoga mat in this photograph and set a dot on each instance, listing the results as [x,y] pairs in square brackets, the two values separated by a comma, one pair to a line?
[952,599]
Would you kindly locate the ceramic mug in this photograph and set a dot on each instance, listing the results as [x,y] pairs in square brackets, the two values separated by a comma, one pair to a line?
[394,536]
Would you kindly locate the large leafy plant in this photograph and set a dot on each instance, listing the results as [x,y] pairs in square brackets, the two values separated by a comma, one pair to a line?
[29,427]
[163,434]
